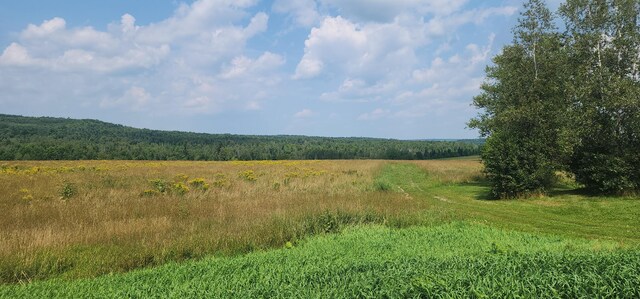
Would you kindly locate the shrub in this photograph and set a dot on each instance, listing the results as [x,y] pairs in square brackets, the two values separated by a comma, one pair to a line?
[515,168]
[221,181]
[199,184]
[603,172]
[67,190]
[180,188]
[248,175]
[160,185]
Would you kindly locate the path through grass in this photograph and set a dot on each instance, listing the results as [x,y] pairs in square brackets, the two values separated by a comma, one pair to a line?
[454,191]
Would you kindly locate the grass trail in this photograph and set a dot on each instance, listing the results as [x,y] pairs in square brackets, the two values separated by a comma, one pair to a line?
[449,261]
[564,212]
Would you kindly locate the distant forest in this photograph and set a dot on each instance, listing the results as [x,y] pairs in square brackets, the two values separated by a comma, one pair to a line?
[48,138]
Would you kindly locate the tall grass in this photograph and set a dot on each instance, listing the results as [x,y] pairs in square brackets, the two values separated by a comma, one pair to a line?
[456,260]
[82,219]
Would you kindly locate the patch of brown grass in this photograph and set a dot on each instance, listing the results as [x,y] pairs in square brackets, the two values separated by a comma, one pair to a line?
[453,171]
[112,224]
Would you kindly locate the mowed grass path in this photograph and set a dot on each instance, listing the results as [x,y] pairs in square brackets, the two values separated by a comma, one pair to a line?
[454,243]
[453,191]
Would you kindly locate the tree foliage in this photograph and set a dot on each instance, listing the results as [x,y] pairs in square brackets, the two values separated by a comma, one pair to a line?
[47,138]
[557,101]
[604,50]
[521,101]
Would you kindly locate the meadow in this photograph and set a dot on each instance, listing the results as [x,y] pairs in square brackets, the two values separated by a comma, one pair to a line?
[82,219]
[343,229]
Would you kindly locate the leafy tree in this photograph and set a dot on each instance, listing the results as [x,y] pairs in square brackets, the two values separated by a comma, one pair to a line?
[604,41]
[522,104]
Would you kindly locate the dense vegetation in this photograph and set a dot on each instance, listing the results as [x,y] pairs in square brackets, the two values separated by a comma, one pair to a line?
[565,100]
[82,219]
[456,260]
[47,138]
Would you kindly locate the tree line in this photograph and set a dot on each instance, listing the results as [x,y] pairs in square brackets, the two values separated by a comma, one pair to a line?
[564,97]
[47,138]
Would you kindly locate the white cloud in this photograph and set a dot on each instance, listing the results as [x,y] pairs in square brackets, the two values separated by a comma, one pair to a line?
[376,114]
[357,50]
[242,65]
[135,98]
[15,54]
[373,50]
[441,25]
[304,113]
[387,11]
[304,12]
[180,60]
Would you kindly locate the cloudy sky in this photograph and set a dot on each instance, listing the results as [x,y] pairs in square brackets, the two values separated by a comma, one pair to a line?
[404,69]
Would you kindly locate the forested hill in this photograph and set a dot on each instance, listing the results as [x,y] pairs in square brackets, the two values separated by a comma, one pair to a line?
[48,138]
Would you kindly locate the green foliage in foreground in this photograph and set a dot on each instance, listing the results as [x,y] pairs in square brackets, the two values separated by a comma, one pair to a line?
[449,261]
[48,138]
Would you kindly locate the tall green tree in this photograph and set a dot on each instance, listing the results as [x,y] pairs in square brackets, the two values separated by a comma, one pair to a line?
[603,37]
[522,103]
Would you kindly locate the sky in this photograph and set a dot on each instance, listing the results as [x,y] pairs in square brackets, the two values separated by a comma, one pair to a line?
[403,69]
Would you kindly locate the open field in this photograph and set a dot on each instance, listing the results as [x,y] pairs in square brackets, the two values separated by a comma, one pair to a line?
[70,220]
[124,215]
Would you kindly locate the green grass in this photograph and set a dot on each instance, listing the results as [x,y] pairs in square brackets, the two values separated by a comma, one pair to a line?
[447,261]
[457,244]
[564,212]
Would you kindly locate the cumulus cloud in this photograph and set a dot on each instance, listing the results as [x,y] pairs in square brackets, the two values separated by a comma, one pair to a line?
[374,50]
[389,61]
[242,65]
[16,55]
[180,60]
[339,44]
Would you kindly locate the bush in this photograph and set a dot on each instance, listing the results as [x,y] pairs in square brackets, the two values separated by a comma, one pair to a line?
[604,173]
[248,175]
[160,185]
[199,184]
[68,190]
[180,188]
[515,168]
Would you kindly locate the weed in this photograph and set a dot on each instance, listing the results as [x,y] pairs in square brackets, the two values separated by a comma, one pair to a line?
[26,195]
[68,190]
[380,185]
[199,184]
[159,185]
[248,175]
[180,188]
[181,178]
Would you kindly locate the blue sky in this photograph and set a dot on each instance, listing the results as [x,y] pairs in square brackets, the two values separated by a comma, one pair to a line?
[405,69]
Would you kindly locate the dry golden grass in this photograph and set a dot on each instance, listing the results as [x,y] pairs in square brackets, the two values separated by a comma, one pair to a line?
[452,171]
[115,219]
